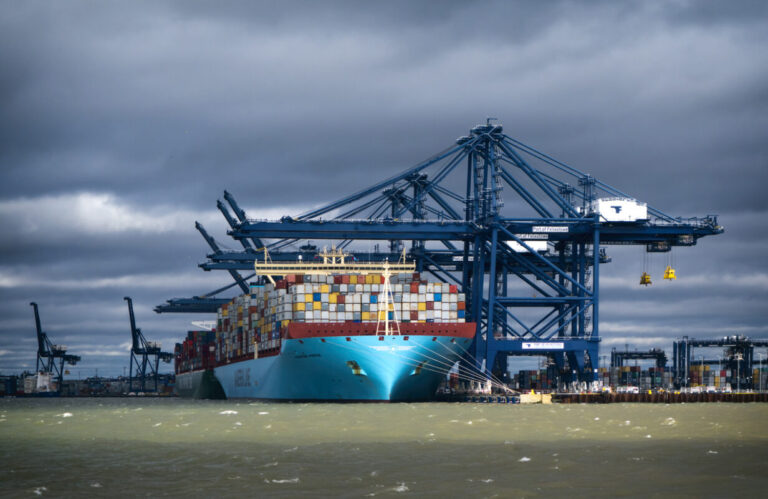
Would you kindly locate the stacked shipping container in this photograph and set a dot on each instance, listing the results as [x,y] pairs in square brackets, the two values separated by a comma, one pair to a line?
[195,352]
[253,324]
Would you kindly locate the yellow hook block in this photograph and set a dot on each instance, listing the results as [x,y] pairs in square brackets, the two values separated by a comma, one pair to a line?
[645,279]
[669,273]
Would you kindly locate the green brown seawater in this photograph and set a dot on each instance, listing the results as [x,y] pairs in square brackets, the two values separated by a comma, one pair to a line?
[171,447]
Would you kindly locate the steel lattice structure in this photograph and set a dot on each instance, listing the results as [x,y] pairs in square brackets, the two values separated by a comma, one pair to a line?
[48,354]
[451,211]
[145,356]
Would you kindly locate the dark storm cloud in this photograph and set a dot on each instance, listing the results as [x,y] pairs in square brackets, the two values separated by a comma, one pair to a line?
[121,124]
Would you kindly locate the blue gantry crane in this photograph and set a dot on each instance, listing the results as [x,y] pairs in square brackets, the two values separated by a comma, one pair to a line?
[49,354]
[145,356]
[528,263]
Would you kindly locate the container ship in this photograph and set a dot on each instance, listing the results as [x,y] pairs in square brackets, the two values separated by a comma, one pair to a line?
[331,330]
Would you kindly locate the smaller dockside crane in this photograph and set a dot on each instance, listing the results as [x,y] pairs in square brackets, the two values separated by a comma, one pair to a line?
[48,354]
[145,356]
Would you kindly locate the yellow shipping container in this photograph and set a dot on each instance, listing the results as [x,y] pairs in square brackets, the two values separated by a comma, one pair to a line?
[308,297]
[298,307]
[332,297]
[317,305]
[324,288]
[422,306]
[382,315]
[365,315]
[353,279]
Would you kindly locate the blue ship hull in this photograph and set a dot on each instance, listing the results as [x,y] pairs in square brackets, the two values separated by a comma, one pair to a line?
[338,368]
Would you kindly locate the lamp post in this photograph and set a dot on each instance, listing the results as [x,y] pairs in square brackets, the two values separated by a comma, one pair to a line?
[738,372]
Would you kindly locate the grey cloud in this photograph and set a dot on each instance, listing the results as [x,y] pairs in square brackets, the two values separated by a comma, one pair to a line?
[165,105]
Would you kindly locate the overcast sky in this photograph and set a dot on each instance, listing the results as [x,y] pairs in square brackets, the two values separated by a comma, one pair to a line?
[122,123]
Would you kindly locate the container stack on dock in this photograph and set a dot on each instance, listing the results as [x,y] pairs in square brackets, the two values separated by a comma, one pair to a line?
[760,378]
[543,379]
[253,324]
[704,376]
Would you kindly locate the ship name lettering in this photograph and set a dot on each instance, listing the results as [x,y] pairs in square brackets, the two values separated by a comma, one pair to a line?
[243,377]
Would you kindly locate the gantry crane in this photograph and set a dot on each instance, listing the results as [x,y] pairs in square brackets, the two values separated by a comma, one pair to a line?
[48,354]
[657,354]
[530,271]
[738,356]
[145,356]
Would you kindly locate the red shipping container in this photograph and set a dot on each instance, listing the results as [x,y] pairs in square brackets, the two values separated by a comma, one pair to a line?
[414,315]
[460,305]
[345,279]
[414,287]
[337,279]
[430,305]
[454,288]
[341,299]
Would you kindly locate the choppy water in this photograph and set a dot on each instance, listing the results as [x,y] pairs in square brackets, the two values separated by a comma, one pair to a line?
[146,447]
